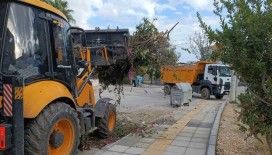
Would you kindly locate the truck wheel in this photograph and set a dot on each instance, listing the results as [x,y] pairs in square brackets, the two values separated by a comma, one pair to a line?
[167,89]
[219,96]
[205,93]
[54,131]
[106,124]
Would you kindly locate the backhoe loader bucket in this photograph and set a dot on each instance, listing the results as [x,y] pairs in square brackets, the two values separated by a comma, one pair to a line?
[107,46]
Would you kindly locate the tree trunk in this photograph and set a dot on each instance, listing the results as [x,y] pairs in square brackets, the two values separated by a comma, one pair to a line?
[269,141]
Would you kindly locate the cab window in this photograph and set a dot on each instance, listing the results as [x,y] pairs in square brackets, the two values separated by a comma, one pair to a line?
[212,70]
[25,44]
[60,51]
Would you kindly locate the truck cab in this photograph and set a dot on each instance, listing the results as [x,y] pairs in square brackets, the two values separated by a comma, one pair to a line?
[216,78]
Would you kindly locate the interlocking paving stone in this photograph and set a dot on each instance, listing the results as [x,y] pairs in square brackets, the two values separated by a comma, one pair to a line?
[183,138]
[190,128]
[199,124]
[135,150]
[141,145]
[202,132]
[172,153]
[197,145]
[128,141]
[201,135]
[176,149]
[118,148]
[188,131]
[180,143]
[183,134]
[147,140]
[203,129]
[191,151]
[199,140]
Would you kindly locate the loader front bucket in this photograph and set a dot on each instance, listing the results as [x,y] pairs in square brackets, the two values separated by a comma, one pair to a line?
[107,46]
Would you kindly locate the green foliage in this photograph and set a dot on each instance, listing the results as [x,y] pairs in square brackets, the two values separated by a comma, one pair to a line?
[114,75]
[244,37]
[151,49]
[62,5]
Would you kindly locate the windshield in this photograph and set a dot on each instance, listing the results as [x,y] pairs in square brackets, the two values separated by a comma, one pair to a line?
[25,42]
[224,71]
[2,19]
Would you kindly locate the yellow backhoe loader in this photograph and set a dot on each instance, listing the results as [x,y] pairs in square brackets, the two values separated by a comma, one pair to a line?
[47,99]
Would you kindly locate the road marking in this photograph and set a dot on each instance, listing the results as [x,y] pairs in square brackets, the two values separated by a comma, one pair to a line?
[160,145]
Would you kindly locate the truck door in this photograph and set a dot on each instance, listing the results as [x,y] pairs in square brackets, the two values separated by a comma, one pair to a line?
[211,74]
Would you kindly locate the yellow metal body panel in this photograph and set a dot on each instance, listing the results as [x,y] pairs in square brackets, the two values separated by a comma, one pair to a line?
[39,94]
[87,94]
[45,6]
[182,74]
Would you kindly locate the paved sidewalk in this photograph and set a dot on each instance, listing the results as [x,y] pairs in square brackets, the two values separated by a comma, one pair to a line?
[190,135]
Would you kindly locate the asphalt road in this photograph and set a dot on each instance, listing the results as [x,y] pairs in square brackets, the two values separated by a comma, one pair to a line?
[137,98]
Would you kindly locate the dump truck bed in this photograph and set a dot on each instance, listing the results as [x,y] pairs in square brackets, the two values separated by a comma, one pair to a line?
[187,73]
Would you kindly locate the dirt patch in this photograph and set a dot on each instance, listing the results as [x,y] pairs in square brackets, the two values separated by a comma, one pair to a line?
[233,141]
[123,128]
[168,120]
[139,122]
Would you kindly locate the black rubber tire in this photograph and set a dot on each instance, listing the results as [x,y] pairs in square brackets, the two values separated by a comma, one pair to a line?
[37,131]
[219,96]
[102,123]
[167,89]
[205,93]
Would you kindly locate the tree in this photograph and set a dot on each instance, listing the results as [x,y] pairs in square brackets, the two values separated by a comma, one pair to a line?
[245,40]
[151,48]
[200,46]
[62,5]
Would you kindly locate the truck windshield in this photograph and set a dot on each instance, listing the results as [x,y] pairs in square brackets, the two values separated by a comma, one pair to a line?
[224,71]
[24,51]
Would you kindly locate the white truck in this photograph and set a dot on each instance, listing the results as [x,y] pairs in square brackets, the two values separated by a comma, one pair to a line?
[206,78]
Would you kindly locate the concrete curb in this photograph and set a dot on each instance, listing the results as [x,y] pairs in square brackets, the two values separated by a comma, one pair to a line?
[214,132]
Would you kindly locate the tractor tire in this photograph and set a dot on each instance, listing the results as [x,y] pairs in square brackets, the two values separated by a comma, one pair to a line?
[167,89]
[219,96]
[54,131]
[205,93]
[106,125]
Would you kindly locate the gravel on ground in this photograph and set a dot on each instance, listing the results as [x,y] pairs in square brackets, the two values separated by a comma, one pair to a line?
[232,141]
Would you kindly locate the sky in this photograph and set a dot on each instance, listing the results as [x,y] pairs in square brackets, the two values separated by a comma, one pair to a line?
[128,13]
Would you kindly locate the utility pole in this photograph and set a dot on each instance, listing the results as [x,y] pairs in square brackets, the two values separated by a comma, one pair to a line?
[233,87]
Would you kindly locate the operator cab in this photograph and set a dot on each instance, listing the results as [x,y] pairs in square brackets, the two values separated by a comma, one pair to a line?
[35,44]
